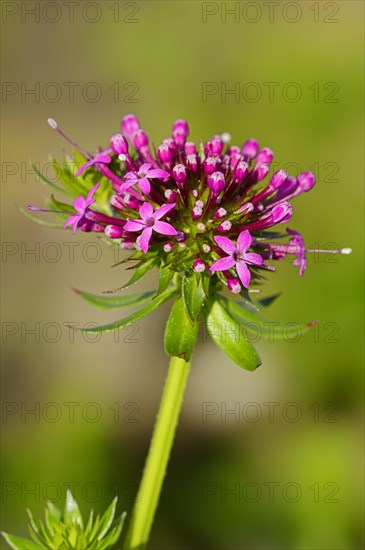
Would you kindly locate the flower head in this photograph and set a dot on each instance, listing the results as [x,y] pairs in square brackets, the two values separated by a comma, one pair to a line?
[202,192]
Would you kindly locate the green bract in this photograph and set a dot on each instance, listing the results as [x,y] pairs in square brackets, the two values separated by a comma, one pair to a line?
[67,531]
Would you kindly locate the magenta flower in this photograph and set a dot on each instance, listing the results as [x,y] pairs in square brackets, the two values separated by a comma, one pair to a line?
[237,257]
[214,189]
[81,205]
[101,158]
[150,221]
[142,177]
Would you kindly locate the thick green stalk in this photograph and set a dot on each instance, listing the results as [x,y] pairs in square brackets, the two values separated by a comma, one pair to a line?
[158,456]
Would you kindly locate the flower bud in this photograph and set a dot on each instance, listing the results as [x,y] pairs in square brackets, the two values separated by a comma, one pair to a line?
[210,165]
[259,172]
[250,149]
[306,180]
[170,195]
[192,162]
[179,138]
[196,212]
[220,213]
[119,144]
[234,285]
[216,182]
[140,140]
[182,126]
[167,247]
[265,156]
[199,265]
[117,202]
[164,153]
[282,213]
[113,231]
[225,226]
[179,174]
[214,147]
[190,148]
[278,179]
[241,171]
[129,125]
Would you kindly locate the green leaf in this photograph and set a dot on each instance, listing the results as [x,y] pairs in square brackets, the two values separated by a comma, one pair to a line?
[18,543]
[139,272]
[64,176]
[258,326]
[114,534]
[48,182]
[226,333]
[166,276]
[180,334]
[108,302]
[54,203]
[151,306]
[105,521]
[193,295]
[72,513]
[39,221]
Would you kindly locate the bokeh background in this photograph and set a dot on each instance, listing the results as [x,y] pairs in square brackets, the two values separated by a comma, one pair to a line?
[284,471]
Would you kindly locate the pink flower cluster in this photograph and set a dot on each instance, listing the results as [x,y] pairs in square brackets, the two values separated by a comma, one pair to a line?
[205,205]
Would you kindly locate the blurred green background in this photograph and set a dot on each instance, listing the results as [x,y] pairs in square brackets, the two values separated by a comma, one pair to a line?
[296,472]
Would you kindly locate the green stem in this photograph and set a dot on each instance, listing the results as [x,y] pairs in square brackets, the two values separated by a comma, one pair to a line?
[158,456]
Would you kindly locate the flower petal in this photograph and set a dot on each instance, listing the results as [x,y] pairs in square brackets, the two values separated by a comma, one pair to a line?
[244,273]
[253,258]
[144,185]
[131,175]
[101,157]
[74,221]
[144,168]
[226,244]
[164,228]
[157,173]
[244,241]
[125,186]
[159,212]
[83,167]
[134,225]
[223,264]
[146,211]
[89,198]
[80,204]
[145,239]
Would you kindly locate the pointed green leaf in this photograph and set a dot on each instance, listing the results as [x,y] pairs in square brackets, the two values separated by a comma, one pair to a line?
[39,221]
[166,276]
[151,306]
[272,330]
[58,205]
[107,519]
[139,272]
[225,332]
[89,524]
[113,536]
[18,543]
[72,513]
[180,334]
[193,295]
[67,179]
[48,182]
[108,302]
